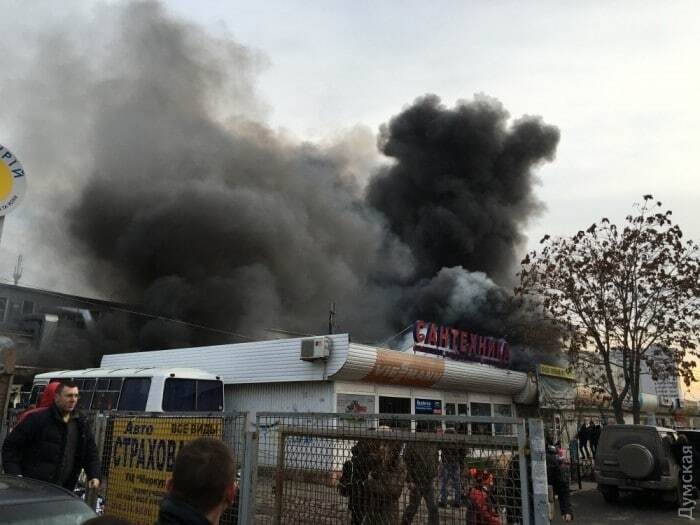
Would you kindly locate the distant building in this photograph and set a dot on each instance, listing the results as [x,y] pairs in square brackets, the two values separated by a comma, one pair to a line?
[51,329]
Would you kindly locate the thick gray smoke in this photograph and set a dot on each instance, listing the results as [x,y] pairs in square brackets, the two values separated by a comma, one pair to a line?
[177,197]
[461,188]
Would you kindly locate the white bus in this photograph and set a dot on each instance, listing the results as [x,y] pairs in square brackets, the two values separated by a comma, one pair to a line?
[147,389]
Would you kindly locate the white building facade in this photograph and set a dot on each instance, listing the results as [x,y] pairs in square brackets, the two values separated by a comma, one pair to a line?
[332,374]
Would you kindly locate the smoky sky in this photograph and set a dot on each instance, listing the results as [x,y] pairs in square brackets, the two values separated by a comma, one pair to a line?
[185,203]
[461,188]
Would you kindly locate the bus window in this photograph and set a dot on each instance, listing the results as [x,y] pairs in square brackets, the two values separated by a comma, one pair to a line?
[35,394]
[209,396]
[179,395]
[85,393]
[84,399]
[106,394]
[104,400]
[135,393]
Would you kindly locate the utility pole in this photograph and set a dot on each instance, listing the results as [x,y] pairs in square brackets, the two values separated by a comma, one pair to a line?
[331,318]
[17,275]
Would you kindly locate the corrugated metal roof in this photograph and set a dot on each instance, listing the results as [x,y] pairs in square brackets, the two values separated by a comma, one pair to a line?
[358,364]
[144,371]
[476,377]
[271,361]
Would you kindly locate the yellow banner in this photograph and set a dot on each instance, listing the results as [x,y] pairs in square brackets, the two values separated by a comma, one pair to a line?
[555,371]
[141,457]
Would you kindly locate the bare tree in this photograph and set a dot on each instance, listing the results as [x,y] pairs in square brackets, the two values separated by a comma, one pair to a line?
[622,297]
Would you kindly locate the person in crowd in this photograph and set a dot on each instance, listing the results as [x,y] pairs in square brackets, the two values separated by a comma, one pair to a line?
[422,460]
[352,483]
[583,438]
[202,485]
[481,508]
[555,477]
[45,401]
[53,443]
[559,482]
[451,470]
[385,483]
[594,435]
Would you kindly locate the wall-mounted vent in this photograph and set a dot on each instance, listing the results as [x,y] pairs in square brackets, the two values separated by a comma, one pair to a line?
[316,348]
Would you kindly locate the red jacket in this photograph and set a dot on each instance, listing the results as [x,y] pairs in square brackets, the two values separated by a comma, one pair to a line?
[46,400]
[480,512]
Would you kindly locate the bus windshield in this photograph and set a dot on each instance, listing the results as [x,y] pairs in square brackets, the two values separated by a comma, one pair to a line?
[192,395]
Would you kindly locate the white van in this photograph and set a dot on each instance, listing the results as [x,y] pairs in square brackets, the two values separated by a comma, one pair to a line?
[147,389]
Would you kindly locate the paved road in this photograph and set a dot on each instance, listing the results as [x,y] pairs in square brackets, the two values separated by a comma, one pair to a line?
[637,509]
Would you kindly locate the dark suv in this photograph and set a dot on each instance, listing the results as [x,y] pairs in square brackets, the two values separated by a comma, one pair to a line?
[637,458]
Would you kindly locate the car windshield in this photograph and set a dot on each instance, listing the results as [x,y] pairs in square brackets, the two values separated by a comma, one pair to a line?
[63,512]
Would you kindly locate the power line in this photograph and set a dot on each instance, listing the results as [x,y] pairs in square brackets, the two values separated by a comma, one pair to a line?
[385,341]
[103,304]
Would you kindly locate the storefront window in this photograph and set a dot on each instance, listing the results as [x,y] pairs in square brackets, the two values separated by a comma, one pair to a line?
[481,409]
[462,410]
[431,407]
[395,405]
[503,410]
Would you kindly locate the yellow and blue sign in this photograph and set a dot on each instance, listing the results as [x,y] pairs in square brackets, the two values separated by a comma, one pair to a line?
[13,181]
[141,458]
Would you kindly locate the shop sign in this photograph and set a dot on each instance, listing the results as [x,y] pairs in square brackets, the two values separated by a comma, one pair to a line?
[399,368]
[452,343]
[556,371]
[12,181]
[355,404]
[429,406]
[143,452]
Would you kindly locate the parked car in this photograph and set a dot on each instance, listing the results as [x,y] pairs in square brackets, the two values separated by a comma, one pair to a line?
[24,501]
[637,458]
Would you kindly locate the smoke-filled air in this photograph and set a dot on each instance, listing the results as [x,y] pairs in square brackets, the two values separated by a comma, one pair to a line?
[167,190]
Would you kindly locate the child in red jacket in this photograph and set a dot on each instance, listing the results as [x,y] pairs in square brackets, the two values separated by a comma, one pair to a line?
[481,510]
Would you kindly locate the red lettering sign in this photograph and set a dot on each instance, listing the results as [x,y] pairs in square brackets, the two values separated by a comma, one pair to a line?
[459,344]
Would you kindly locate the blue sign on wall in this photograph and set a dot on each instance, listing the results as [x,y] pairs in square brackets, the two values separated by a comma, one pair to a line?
[428,406]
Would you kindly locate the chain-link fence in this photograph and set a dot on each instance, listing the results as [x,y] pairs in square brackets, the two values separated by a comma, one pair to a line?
[333,468]
[300,468]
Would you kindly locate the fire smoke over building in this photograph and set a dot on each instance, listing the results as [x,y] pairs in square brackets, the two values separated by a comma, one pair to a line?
[157,161]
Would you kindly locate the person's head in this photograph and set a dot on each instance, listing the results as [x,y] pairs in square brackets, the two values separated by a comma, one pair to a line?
[204,475]
[482,478]
[66,396]
[682,439]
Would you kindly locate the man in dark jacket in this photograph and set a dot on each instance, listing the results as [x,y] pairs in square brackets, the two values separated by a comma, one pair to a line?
[555,478]
[583,438]
[354,478]
[453,454]
[421,460]
[384,484]
[53,444]
[594,430]
[203,484]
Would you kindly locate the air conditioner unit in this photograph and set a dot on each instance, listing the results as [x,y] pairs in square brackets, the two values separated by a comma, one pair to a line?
[316,348]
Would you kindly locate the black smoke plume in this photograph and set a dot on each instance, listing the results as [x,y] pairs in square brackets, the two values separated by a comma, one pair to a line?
[461,188]
[167,190]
